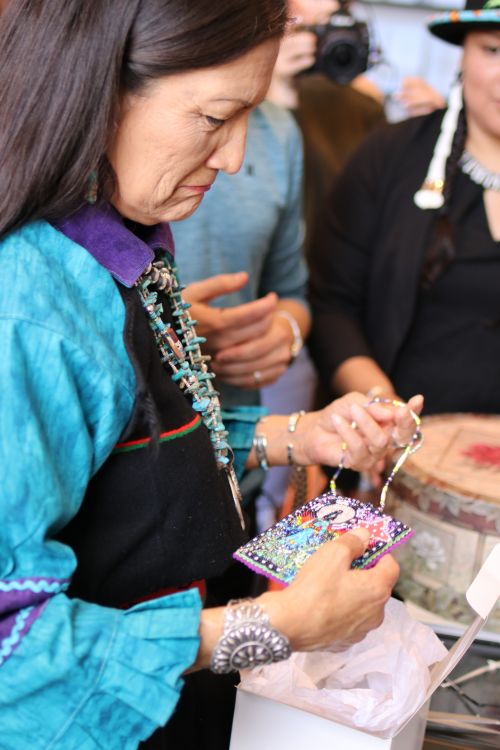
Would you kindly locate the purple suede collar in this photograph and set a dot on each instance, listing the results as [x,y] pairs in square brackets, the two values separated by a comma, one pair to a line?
[124,252]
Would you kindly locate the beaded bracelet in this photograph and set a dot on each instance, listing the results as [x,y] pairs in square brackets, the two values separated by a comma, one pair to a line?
[416,441]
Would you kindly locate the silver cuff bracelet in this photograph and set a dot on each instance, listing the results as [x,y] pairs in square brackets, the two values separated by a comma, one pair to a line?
[259,445]
[248,639]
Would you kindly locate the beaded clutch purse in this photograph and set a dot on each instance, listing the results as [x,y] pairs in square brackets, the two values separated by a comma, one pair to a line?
[280,552]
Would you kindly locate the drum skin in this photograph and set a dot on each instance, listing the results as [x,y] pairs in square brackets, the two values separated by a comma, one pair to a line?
[449,493]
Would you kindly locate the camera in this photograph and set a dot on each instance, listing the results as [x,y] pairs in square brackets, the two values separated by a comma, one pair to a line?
[343,49]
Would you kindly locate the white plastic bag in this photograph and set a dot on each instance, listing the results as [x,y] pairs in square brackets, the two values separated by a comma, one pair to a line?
[374,685]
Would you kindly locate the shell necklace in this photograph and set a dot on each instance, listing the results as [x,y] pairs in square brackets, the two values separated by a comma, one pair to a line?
[180,352]
[478,173]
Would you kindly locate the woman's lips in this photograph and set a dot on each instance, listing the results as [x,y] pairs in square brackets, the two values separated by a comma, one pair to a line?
[197,188]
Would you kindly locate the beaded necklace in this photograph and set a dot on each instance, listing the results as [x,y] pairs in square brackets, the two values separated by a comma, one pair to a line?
[180,353]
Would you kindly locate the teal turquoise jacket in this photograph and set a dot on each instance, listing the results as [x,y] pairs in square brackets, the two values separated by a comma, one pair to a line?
[73,675]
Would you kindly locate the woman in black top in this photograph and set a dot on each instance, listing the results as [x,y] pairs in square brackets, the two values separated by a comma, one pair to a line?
[406,297]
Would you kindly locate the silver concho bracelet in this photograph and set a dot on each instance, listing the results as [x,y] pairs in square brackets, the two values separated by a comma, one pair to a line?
[248,639]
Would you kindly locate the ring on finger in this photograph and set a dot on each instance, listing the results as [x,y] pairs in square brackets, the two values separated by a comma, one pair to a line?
[257,376]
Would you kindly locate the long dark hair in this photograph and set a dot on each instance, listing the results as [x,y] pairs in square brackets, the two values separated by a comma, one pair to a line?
[64,65]
[442,250]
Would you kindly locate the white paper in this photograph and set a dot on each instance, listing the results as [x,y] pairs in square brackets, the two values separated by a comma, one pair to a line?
[375,685]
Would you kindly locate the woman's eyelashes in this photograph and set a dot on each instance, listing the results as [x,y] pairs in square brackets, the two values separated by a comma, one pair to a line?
[492,49]
[214,122]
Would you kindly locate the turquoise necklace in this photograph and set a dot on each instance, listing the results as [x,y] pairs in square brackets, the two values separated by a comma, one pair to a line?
[179,348]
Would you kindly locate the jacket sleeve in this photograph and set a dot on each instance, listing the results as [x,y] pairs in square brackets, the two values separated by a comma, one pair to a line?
[340,262]
[284,270]
[240,422]
[72,674]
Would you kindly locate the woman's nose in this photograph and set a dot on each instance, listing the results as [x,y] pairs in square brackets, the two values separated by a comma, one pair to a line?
[229,154]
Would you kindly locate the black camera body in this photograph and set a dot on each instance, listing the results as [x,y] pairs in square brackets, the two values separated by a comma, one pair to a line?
[343,49]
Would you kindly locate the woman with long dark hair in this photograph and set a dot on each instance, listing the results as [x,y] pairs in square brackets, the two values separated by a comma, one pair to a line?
[405,278]
[118,492]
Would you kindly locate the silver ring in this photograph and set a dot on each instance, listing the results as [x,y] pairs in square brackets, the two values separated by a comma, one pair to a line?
[257,376]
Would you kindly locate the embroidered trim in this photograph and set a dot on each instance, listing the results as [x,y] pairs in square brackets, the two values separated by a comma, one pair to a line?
[21,602]
[37,585]
[481,15]
[8,645]
[133,445]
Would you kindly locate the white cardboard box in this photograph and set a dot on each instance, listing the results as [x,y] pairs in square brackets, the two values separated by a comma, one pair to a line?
[263,724]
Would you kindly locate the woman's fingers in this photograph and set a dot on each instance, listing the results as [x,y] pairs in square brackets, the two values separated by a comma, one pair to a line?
[375,436]
[366,432]
[355,453]
[416,404]
[365,441]
[343,604]
[405,424]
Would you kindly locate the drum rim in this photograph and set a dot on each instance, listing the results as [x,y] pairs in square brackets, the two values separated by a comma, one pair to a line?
[422,474]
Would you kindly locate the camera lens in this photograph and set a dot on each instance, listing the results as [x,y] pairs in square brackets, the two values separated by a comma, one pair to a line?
[343,47]
[342,54]
[340,60]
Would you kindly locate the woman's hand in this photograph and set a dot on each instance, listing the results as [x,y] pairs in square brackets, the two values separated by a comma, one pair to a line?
[342,604]
[369,432]
[328,603]
[226,327]
[251,344]
[297,53]
[264,359]
[259,361]
[349,431]
[419,97]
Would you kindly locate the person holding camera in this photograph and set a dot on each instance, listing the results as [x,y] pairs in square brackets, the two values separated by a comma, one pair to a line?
[324,38]
[319,75]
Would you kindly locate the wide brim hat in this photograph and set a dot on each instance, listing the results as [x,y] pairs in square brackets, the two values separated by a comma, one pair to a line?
[477,15]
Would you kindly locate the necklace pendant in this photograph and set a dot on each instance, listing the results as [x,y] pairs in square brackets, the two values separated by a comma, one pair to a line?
[175,344]
[236,493]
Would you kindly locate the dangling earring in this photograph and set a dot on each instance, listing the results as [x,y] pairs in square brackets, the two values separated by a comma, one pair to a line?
[92,187]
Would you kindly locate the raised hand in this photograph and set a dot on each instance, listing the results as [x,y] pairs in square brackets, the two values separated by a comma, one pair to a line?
[226,327]
[250,343]
[419,97]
